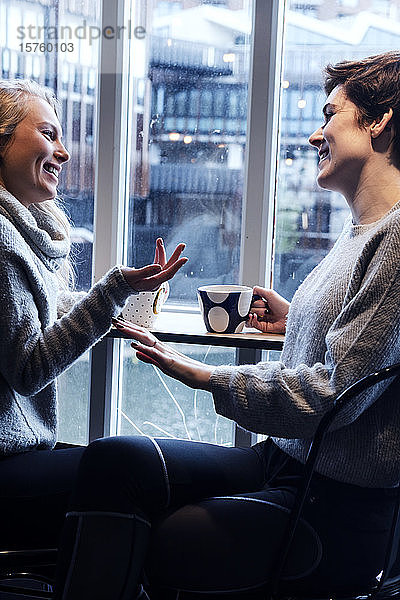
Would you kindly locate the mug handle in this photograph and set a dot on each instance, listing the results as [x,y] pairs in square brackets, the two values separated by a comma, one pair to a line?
[266,305]
[165,285]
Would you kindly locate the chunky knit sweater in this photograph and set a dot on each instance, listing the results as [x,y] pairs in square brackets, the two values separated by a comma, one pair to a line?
[343,322]
[42,331]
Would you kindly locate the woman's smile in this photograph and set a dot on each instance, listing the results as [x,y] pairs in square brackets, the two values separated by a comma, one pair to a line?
[323,155]
[52,170]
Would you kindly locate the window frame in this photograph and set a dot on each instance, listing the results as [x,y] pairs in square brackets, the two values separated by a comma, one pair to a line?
[111,185]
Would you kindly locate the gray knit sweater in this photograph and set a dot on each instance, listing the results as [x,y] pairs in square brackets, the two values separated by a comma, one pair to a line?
[343,322]
[38,341]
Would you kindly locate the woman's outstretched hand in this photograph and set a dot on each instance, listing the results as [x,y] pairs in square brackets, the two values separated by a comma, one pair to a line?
[269,313]
[171,362]
[152,276]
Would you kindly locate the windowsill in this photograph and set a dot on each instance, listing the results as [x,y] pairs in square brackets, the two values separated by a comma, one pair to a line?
[176,307]
[188,328]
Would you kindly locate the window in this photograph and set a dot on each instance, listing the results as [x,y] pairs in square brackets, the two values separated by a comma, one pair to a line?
[188,173]
[309,219]
[79,101]
[157,405]
[188,186]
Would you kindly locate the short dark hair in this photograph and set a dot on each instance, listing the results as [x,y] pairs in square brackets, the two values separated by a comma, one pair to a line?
[373,85]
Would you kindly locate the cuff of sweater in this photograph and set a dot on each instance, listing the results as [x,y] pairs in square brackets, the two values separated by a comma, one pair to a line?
[220,388]
[133,291]
[116,287]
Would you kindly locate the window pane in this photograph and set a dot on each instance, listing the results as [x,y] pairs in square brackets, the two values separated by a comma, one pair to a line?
[29,48]
[187,174]
[154,404]
[309,219]
[73,394]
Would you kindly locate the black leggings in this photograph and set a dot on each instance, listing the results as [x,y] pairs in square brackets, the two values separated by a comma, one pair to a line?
[212,490]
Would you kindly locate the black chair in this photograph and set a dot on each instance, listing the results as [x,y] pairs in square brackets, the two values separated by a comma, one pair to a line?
[298,549]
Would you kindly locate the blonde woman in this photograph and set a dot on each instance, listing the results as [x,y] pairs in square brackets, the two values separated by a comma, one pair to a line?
[44,327]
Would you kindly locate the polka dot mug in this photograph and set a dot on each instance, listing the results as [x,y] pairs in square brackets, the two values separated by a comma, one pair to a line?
[143,308]
[225,308]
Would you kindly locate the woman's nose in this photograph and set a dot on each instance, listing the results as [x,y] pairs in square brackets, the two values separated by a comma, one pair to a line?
[316,138]
[61,153]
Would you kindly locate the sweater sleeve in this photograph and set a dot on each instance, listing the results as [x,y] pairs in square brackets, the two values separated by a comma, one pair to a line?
[66,300]
[32,354]
[286,402]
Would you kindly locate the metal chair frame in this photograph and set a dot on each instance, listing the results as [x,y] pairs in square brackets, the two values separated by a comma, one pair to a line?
[29,564]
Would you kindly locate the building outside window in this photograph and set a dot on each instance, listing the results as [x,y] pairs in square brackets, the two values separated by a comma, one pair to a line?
[188,111]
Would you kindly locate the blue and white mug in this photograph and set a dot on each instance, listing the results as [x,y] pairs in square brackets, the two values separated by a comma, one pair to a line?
[225,308]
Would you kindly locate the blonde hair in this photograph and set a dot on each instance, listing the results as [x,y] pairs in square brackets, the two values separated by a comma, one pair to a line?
[14,107]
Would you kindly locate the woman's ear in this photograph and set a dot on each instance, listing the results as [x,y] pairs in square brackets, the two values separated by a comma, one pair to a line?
[377,127]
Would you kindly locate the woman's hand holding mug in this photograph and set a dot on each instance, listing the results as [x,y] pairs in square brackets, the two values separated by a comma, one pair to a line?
[268,312]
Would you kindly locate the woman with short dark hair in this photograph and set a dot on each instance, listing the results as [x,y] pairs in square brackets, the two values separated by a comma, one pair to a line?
[343,322]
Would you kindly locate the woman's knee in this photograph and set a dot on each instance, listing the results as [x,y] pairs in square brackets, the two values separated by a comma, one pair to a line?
[117,473]
[110,454]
